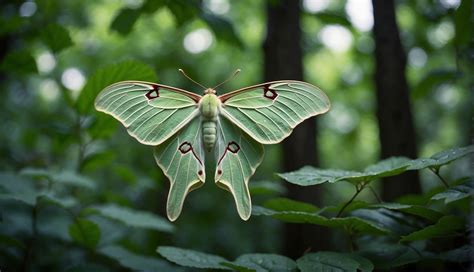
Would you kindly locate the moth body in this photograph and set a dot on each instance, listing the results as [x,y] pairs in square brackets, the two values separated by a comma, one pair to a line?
[209,108]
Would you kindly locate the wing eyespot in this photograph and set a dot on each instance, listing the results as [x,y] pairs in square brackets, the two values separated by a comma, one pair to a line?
[269,93]
[185,147]
[153,93]
[233,147]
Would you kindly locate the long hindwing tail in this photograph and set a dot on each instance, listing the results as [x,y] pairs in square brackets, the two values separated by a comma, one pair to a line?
[237,155]
[268,112]
[151,112]
[182,160]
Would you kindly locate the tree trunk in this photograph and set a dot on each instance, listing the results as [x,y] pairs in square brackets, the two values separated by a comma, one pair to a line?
[396,129]
[283,60]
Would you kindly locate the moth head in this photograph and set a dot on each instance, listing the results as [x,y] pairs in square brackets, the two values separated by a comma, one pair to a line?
[210,91]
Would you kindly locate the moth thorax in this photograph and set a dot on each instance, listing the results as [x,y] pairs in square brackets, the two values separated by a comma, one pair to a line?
[209,131]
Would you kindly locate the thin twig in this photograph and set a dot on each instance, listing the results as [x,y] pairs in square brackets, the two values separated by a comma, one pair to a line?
[375,194]
[436,172]
[358,190]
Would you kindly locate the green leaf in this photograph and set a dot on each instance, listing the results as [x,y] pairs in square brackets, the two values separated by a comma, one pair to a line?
[388,167]
[458,255]
[85,267]
[285,204]
[7,241]
[125,70]
[192,258]
[223,29]
[266,188]
[125,20]
[265,262]
[134,261]
[56,37]
[441,158]
[19,62]
[417,210]
[333,261]
[333,18]
[355,224]
[135,218]
[85,232]
[308,175]
[432,80]
[463,18]
[446,226]
[65,177]
[388,256]
[455,193]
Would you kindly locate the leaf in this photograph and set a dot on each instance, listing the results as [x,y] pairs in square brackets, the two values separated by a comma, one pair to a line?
[135,218]
[388,256]
[441,158]
[265,262]
[333,18]
[85,267]
[388,167]
[455,193]
[308,175]
[7,241]
[266,188]
[458,255]
[125,70]
[73,178]
[56,37]
[446,226]
[462,18]
[393,221]
[134,261]
[85,232]
[223,29]
[286,204]
[417,210]
[66,177]
[333,261]
[192,258]
[432,80]
[355,224]
[19,62]
[125,20]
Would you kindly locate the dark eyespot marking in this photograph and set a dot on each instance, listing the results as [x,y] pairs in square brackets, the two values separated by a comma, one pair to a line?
[200,172]
[219,171]
[269,93]
[185,147]
[154,93]
[233,147]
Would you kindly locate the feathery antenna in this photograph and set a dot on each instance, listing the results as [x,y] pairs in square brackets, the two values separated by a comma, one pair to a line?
[231,77]
[181,70]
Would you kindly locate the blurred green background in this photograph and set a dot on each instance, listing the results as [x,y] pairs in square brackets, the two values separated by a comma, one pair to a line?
[57,55]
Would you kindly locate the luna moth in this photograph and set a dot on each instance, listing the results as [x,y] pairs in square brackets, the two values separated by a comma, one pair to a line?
[186,129]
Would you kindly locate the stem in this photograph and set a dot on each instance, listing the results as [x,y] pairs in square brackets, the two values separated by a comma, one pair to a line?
[436,172]
[34,231]
[358,190]
[375,194]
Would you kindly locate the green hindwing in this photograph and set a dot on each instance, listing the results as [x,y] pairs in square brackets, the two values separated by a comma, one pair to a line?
[181,158]
[268,112]
[151,112]
[238,156]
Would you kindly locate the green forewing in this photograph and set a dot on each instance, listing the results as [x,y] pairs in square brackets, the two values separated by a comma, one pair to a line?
[237,155]
[182,160]
[268,112]
[150,112]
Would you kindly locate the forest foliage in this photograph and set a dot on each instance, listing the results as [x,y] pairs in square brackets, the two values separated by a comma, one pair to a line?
[78,194]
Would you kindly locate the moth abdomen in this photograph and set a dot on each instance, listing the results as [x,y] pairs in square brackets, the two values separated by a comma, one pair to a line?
[209,130]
